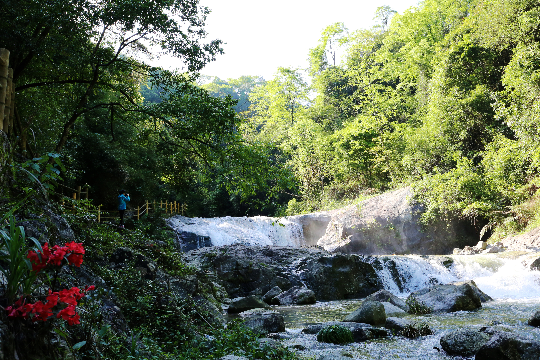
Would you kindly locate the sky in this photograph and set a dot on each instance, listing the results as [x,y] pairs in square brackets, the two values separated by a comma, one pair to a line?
[261,36]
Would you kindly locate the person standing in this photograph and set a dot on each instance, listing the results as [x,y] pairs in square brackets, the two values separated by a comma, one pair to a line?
[123,198]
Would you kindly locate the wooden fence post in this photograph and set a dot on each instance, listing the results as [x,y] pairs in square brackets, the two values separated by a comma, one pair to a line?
[147,208]
[166,207]
[138,212]
[99,214]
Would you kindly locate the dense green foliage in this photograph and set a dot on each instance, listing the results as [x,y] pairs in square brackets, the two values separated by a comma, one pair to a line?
[443,97]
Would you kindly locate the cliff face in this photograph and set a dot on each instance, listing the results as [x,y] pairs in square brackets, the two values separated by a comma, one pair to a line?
[390,224]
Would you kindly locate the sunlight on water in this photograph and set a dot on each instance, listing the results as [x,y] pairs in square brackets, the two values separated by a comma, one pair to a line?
[258,230]
[497,276]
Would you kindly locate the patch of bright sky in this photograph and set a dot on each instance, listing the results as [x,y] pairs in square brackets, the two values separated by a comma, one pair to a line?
[261,36]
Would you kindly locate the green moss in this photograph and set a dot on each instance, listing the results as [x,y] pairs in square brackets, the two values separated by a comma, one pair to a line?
[335,334]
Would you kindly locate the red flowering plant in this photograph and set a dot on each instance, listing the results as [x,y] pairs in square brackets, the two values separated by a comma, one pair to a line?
[25,270]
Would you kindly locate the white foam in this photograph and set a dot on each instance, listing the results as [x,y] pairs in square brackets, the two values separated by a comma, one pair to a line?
[499,277]
[258,230]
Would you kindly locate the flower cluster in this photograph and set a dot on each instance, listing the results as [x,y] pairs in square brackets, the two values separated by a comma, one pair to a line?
[41,311]
[55,255]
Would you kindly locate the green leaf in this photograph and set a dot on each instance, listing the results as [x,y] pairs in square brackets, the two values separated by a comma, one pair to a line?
[79,345]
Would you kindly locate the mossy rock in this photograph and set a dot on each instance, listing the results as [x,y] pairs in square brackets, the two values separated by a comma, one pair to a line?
[335,334]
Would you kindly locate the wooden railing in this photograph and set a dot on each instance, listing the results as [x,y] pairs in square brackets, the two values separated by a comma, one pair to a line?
[70,203]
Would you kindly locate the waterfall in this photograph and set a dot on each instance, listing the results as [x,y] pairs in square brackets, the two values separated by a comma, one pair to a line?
[498,276]
[258,230]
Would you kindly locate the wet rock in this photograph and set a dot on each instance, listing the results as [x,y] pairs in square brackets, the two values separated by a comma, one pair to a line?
[392,310]
[535,265]
[271,294]
[507,346]
[371,312]
[315,328]
[296,295]
[248,270]
[482,295]
[263,322]
[396,324]
[191,241]
[241,304]
[339,276]
[369,333]
[449,298]
[464,342]
[535,319]
[360,331]
[386,296]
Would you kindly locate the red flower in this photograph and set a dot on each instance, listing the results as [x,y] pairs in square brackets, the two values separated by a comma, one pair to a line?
[39,261]
[77,252]
[42,311]
[69,296]
[69,315]
[58,255]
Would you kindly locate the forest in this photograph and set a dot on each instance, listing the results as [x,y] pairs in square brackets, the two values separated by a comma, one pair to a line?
[443,98]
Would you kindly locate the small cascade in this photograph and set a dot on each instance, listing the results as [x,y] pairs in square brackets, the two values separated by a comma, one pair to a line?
[258,230]
[497,276]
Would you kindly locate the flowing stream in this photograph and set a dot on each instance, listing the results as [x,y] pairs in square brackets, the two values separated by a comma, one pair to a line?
[506,277]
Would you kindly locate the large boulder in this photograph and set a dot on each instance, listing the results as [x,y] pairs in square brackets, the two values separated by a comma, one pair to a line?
[386,296]
[339,276]
[396,325]
[271,294]
[508,346]
[390,224]
[449,298]
[464,342]
[263,322]
[535,319]
[360,331]
[371,312]
[241,304]
[296,295]
[255,270]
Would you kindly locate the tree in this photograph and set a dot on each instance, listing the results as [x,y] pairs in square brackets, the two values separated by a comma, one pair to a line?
[238,89]
[78,48]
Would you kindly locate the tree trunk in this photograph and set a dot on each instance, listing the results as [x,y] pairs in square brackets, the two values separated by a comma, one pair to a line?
[8,128]
[4,65]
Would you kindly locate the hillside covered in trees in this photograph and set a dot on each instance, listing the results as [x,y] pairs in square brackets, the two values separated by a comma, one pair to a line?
[443,97]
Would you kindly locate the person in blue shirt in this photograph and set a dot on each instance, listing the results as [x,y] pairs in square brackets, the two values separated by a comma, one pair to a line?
[123,198]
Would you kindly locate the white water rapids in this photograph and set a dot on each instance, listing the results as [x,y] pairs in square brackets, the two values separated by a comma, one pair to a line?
[258,230]
[495,274]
